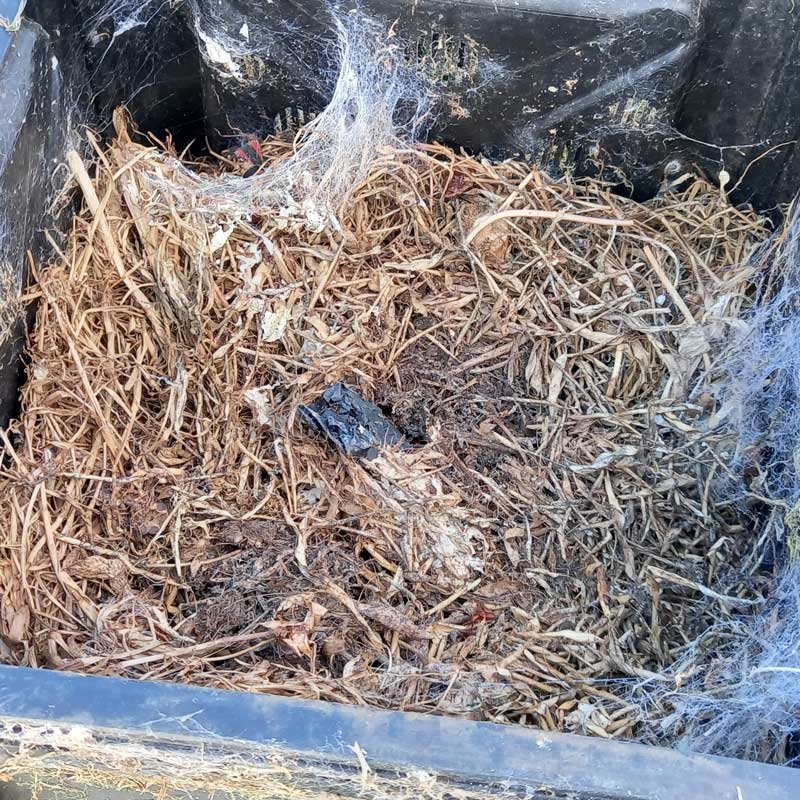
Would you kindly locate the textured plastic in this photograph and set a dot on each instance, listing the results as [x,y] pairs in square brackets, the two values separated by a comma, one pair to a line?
[741,107]
[315,742]
[153,69]
[355,426]
[642,82]
[566,82]
[32,125]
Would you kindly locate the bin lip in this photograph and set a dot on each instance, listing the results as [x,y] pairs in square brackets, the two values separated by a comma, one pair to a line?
[596,9]
[479,753]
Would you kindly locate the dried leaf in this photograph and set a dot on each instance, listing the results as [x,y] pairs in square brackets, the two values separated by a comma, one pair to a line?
[393,620]
[493,243]
[534,372]
[274,321]
[458,186]
[606,460]
[100,568]
[693,341]
[260,406]
[220,238]
[581,637]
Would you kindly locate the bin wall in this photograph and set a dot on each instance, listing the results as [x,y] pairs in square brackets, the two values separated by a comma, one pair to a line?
[33,126]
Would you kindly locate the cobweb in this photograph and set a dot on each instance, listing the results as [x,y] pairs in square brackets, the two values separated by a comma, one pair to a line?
[125,15]
[10,288]
[236,48]
[374,101]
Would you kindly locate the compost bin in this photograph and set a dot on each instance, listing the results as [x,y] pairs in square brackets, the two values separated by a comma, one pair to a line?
[399,357]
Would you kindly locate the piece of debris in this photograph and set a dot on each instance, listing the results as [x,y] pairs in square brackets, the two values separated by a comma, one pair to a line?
[357,427]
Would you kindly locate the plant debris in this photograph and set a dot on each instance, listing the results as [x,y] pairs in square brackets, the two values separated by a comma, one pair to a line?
[548,526]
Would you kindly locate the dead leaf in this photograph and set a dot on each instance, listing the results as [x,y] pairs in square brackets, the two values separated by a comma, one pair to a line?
[458,186]
[581,637]
[333,646]
[556,379]
[274,321]
[18,624]
[393,620]
[511,551]
[353,666]
[534,372]
[100,568]
[693,342]
[177,399]
[606,460]
[220,238]
[492,243]
[260,406]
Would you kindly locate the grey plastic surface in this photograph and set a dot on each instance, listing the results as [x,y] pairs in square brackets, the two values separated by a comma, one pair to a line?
[483,759]
[597,9]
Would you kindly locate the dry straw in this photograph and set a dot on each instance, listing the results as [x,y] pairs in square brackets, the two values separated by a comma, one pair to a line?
[168,515]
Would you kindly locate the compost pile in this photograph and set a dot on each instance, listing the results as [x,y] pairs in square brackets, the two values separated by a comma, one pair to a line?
[545,526]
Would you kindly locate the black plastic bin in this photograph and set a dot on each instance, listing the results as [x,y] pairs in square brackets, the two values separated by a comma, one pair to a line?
[656,85]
